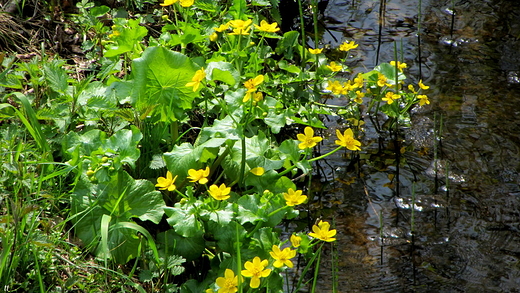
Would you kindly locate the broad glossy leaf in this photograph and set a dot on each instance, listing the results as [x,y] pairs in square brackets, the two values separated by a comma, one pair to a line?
[160,77]
[223,71]
[190,248]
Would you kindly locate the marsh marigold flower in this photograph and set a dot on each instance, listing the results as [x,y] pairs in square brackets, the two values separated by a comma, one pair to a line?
[381,80]
[295,240]
[166,183]
[186,3]
[308,140]
[282,257]
[422,86]
[400,65]
[256,270]
[315,51]
[222,27]
[228,283]
[240,27]
[359,80]
[266,27]
[391,97]
[293,198]
[423,100]
[322,231]
[219,192]
[168,2]
[251,86]
[335,87]
[347,46]
[359,97]
[347,140]
[334,67]
[199,175]
[197,79]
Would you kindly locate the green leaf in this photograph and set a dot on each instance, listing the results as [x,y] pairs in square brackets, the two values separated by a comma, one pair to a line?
[117,201]
[184,157]
[287,44]
[190,248]
[160,77]
[226,236]
[389,72]
[183,218]
[223,71]
[56,76]
[289,67]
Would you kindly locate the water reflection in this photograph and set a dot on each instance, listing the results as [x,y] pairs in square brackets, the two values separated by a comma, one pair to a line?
[461,229]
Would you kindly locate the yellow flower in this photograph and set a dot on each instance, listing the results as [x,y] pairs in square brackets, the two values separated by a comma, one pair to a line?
[422,86]
[222,28]
[255,270]
[240,27]
[322,232]
[347,140]
[228,283]
[334,67]
[359,80]
[258,96]
[348,86]
[114,34]
[199,175]
[411,88]
[168,2]
[335,87]
[282,257]
[240,31]
[296,240]
[213,37]
[251,86]
[197,79]
[266,27]
[186,3]
[315,51]
[308,140]
[219,192]
[347,46]
[359,97]
[381,80]
[423,99]
[293,198]
[210,291]
[258,171]
[390,97]
[400,65]
[238,23]
[166,183]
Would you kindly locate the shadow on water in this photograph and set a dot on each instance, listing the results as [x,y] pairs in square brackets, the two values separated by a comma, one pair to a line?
[462,159]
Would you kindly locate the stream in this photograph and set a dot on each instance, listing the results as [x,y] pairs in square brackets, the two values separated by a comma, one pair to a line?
[454,224]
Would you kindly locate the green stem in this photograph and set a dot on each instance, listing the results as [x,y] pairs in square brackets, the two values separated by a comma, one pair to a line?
[174,132]
[302,28]
[316,270]
[311,160]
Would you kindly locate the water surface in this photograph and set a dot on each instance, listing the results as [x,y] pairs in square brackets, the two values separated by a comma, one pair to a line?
[463,158]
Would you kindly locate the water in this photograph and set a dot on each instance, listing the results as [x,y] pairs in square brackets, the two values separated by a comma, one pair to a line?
[461,232]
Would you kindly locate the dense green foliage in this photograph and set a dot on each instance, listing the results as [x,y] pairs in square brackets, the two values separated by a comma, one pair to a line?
[171,163]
